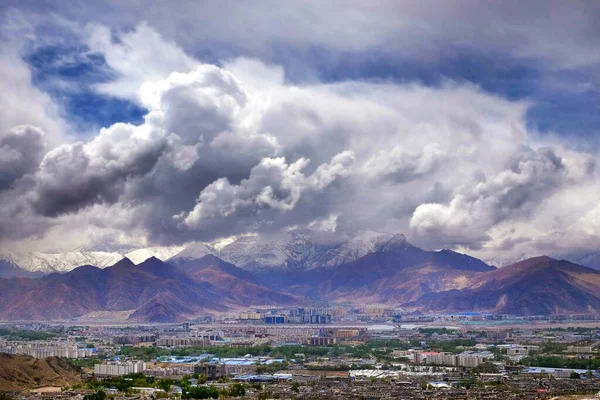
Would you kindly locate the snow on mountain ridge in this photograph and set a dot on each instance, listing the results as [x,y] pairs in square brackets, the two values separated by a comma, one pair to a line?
[162,253]
[67,261]
[194,251]
[252,252]
[296,250]
[61,262]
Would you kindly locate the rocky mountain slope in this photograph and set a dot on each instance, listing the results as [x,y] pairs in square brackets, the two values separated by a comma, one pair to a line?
[241,286]
[397,275]
[10,270]
[294,251]
[540,285]
[20,372]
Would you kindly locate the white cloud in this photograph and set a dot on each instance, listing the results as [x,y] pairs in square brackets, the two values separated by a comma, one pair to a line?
[557,33]
[237,149]
[273,187]
[140,55]
[22,103]
[514,193]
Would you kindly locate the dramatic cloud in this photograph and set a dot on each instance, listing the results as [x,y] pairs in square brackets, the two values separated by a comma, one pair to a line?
[273,188]
[234,146]
[514,193]
[21,151]
[402,165]
[72,177]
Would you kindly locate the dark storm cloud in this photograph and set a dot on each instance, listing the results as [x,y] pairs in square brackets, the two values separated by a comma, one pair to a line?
[71,178]
[21,151]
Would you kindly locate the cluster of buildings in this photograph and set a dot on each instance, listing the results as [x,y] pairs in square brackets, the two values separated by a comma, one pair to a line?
[302,316]
[318,315]
[183,341]
[408,358]
[379,313]
[207,365]
[134,339]
[43,349]
[276,334]
[412,360]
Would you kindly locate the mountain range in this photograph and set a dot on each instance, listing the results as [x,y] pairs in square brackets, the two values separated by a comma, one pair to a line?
[293,251]
[152,291]
[101,255]
[297,268]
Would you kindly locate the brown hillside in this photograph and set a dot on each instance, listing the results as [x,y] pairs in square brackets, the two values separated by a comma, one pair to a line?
[537,286]
[19,372]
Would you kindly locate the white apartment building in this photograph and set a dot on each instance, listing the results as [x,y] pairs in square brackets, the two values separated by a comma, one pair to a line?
[116,368]
[467,359]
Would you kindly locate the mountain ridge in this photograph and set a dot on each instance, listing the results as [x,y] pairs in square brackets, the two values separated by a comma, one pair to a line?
[153,291]
[535,286]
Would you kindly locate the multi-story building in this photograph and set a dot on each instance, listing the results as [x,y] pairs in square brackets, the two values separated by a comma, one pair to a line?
[116,368]
[275,319]
[321,341]
[346,333]
[212,371]
[580,349]
[466,359]
[521,350]
[133,339]
[310,316]
[251,316]
[185,341]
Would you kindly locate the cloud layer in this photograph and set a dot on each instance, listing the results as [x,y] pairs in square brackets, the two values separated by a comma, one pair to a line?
[236,148]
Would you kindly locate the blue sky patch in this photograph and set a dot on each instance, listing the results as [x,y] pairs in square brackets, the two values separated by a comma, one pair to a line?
[68,71]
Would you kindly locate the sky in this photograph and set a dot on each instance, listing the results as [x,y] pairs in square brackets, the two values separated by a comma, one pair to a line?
[465,125]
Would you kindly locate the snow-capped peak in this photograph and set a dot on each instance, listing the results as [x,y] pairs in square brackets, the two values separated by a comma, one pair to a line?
[61,262]
[194,251]
[163,253]
[298,250]
[48,262]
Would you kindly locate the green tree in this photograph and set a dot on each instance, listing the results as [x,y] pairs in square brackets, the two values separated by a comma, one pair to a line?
[99,395]
[237,390]
[165,384]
